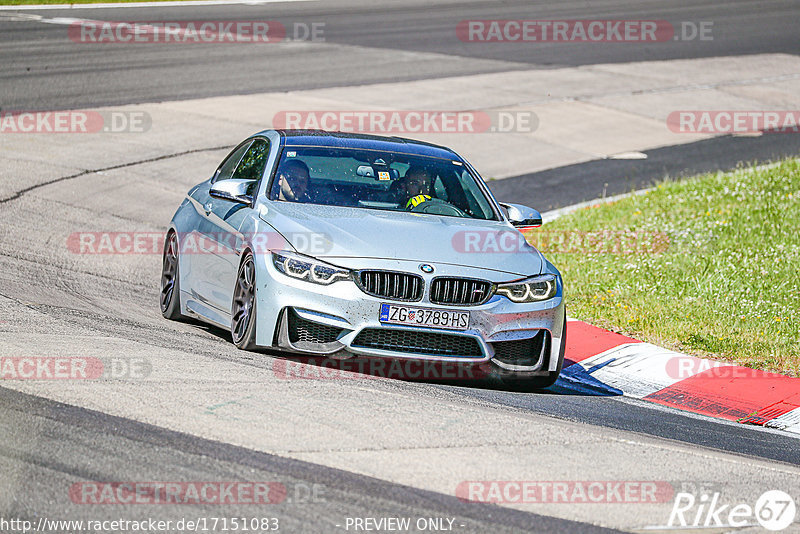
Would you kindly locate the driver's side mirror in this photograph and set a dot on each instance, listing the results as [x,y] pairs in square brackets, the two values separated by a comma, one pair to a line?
[233,190]
[520,215]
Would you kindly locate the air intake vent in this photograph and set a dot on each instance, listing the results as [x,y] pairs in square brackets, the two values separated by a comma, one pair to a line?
[460,291]
[410,341]
[525,352]
[391,285]
[309,332]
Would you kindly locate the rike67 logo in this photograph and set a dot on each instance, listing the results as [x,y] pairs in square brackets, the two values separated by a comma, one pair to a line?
[774,510]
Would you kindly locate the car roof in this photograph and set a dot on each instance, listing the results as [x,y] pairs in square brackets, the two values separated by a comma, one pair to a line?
[370,142]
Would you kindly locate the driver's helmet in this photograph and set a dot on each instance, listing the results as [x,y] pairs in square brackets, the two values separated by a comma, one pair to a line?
[413,202]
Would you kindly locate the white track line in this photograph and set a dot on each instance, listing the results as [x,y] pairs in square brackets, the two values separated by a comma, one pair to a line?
[789,421]
[552,215]
[118,5]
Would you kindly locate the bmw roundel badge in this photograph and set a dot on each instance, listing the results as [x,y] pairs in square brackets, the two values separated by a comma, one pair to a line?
[426,268]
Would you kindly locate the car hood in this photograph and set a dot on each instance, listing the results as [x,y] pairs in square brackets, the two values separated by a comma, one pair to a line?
[333,232]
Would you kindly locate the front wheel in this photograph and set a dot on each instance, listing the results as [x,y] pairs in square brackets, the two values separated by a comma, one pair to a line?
[170,280]
[536,382]
[243,310]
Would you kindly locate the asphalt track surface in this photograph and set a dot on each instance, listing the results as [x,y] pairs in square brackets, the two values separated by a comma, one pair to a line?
[45,445]
[66,434]
[365,43]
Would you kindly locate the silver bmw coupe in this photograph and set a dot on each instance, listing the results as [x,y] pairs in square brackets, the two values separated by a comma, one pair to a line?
[338,245]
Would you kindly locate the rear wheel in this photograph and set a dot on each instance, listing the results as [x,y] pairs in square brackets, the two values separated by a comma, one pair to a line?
[243,310]
[170,280]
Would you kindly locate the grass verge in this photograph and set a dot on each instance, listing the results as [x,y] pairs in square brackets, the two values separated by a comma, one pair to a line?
[709,266]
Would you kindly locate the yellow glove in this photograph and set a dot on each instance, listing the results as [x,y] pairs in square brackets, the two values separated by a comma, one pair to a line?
[417,200]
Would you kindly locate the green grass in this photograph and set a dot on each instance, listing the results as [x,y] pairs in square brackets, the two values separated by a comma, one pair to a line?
[723,280]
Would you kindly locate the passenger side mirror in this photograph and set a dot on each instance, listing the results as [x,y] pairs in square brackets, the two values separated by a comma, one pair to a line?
[233,190]
[520,215]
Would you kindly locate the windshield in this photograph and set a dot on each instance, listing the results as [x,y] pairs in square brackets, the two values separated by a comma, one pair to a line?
[381,180]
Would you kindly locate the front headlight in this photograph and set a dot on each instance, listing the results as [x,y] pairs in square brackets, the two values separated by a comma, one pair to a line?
[308,268]
[534,289]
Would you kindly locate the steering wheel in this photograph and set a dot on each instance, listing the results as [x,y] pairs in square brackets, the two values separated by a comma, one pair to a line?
[437,206]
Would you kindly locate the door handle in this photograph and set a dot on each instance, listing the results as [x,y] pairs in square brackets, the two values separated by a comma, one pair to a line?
[208,207]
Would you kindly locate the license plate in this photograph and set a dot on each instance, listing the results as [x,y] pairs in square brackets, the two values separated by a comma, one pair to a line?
[412,315]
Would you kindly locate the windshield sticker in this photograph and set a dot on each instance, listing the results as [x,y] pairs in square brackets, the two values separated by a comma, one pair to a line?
[383,176]
[291,154]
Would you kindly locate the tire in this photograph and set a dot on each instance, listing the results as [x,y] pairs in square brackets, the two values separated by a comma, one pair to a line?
[170,299]
[541,382]
[243,308]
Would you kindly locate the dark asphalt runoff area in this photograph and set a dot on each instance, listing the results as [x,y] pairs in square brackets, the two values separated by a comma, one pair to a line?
[571,184]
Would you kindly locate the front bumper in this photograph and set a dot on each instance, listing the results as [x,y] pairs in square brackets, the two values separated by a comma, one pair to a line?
[346,317]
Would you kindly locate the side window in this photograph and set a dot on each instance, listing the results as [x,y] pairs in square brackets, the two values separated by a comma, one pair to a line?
[254,161]
[225,171]
[476,203]
[439,189]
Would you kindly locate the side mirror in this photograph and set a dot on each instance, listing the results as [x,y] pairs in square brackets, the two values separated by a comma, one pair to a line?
[233,190]
[520,215]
